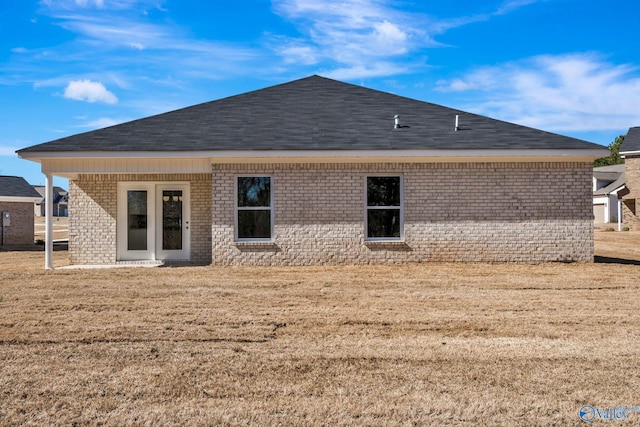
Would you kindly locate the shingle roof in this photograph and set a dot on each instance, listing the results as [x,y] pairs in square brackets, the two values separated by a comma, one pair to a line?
[313,113]
[16,186]
[631,140]
[613,173]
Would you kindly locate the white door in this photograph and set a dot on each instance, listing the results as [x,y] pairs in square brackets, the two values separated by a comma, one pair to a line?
[153,221]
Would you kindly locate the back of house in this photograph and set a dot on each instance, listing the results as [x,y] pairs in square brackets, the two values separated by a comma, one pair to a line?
[317,171]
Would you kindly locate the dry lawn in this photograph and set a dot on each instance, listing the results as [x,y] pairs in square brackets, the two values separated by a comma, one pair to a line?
[432,344]
[60,229]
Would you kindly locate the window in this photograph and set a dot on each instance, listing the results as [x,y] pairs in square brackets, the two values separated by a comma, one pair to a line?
[384,208]
[254,208]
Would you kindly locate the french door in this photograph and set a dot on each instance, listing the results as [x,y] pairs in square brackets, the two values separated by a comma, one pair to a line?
[153,221]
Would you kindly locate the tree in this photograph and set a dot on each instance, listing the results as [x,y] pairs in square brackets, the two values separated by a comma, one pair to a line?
[614,156]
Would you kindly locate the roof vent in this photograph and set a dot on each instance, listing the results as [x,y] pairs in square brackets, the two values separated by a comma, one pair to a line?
[396,121]
[457,128]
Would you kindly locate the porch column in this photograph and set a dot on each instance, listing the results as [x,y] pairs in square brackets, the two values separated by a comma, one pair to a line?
[619,215]
[48,230]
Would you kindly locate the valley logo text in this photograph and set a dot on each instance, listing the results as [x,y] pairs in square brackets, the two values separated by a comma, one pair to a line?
[589,413]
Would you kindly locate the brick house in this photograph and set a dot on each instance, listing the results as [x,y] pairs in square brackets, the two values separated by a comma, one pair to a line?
[630,150]
[318,171]
[16,208]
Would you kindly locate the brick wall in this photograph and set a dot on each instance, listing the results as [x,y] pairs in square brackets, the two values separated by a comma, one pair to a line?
[20,231]
[93,213]
[530,212]
[631,201]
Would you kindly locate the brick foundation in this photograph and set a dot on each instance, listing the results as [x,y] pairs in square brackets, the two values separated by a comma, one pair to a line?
[631,201]
[526,212]
[93,212]
[20,231]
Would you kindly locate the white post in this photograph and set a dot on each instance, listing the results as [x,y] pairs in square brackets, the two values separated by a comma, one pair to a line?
[48,230]
[619,215]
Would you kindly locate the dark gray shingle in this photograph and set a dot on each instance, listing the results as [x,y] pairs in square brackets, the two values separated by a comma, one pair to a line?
[16,186]
[631,140]
[314,113]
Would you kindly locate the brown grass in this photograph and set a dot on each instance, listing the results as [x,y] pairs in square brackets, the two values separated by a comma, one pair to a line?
[432,344]
[60,229]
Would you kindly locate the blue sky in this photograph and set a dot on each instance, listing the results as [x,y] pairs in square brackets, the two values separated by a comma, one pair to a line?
[71,66]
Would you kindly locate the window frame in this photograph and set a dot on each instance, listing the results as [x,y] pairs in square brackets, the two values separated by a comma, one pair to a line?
[237,209]
[367,208]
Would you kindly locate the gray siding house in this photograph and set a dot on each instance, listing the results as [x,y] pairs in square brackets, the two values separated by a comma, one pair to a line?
[60,201]
[317,171]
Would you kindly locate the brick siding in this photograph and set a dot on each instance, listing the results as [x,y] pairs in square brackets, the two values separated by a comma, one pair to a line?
[93,213]
[527,212]
[20,231]
[631,201]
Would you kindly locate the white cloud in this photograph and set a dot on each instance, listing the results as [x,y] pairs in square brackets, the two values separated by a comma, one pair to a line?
[8,151]
[379,69]
[86,90]
[102,122]
[353,34]
[306,55]
[100,4]
[511,5]
[578,92]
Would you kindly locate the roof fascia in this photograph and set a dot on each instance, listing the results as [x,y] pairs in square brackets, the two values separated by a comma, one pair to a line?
[617,189]
[19,199]
[349,155]
[629,153]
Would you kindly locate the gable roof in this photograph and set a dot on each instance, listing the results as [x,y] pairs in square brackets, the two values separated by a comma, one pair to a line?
[631,141]
[41,189]
[15,188]
[313,113]
[614,174]
[60,195]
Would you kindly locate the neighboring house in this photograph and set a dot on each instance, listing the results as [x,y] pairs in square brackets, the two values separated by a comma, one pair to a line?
[608,182]
[16,207]
[630,150]
[318,171]
[60,201]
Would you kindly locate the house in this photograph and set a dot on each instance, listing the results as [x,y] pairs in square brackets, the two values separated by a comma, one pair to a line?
[16,208]
[60,201]
[630,150]
[608,183]
[319,171]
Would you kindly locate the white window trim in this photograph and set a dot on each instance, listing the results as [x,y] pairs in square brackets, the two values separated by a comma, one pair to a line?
[367,207]
[252,208]
[153,252]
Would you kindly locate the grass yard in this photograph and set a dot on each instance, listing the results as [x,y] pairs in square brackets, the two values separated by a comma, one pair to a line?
[431,344]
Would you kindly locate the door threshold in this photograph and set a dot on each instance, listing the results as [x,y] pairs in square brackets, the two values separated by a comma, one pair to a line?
[141,262]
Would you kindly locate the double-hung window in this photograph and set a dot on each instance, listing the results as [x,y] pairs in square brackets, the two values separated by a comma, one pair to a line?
[254,208]
[384,217]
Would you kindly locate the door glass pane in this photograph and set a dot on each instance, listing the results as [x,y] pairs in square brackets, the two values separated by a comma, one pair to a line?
[171,220]
[137,220]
